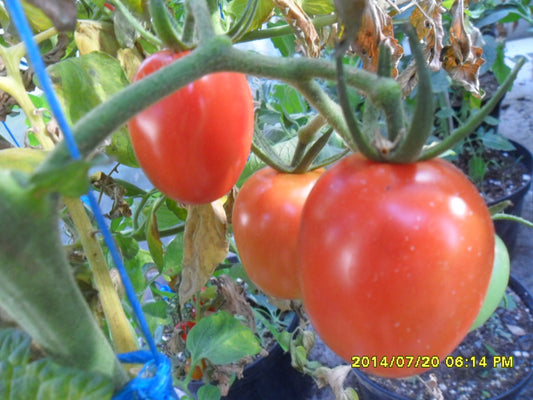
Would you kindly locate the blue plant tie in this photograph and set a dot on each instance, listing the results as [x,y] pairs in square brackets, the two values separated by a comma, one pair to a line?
[155,380]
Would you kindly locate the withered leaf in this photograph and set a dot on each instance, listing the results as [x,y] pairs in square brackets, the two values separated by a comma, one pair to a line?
[205,245]
[306,34]
[426,18]
[461,59]
[376,29]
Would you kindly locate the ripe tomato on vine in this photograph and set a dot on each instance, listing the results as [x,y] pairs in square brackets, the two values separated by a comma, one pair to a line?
[194,143]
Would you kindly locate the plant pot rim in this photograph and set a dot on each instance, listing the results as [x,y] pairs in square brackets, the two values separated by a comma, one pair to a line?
[524,295]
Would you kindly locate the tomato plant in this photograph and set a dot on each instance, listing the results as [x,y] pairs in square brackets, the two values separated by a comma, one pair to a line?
[497,285]
[266,219]
[193,144]
[395,259]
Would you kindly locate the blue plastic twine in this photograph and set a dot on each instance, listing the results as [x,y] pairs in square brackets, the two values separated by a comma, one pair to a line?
[13,138]
[155,380]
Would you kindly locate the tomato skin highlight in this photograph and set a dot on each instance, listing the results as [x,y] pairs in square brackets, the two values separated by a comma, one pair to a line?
[194,143]
[395,260]
[266,220]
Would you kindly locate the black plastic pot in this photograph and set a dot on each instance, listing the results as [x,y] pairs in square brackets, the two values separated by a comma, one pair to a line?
[270,378]
[370,390]
[508,230]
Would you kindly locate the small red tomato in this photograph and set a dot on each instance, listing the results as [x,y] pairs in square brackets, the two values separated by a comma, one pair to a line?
[266,220]
[194,143]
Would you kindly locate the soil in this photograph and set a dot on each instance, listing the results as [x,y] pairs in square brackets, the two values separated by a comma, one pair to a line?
[504,173]
[505,334]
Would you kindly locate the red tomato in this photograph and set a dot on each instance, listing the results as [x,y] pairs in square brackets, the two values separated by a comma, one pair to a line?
[183,328]
[266,219]
[193,144]
[395,261]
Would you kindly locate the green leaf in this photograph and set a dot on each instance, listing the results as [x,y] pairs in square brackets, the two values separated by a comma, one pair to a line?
[173,256]
[128,245]
[222,339]
[154,242]
[97,75]
[264,9]
[290,101]
[497,142]
[209,392]
[70,179]
[477,168]
[14,346]
[499,67]
[318,7]
[121,149]
[43,379]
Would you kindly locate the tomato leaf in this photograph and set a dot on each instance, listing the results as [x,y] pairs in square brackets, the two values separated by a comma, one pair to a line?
[173,256]
[98,76]
[222,339]
[154,242]
[264,10]
[121,150]
[43,379]
[205,246]
[209,392]
[70,179]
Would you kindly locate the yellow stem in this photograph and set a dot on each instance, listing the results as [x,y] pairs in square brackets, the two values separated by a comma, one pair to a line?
[121,330]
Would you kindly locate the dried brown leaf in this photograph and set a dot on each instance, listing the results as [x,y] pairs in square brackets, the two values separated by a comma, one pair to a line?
[205,245]
[234,301]
[426,18]
[376,29]
[306,34]
[461,59]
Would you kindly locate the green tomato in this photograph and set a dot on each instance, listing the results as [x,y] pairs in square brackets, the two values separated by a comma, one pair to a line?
[497,285]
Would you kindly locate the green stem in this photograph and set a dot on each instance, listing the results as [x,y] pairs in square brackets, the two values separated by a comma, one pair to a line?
[358,137]
[514,218]
[330,110]
[202,18]
[165,25]
[473,122]
[318,22]
[411,145]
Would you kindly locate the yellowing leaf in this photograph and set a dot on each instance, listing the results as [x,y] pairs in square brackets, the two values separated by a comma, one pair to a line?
[205,246]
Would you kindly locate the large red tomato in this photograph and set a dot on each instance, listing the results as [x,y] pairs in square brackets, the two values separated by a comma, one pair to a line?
[193,144]
[266,219]
[395,261]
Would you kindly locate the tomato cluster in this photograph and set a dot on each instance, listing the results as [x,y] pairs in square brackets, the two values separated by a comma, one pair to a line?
[392,260]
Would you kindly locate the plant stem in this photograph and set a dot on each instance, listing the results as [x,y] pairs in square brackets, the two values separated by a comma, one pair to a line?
[122,333]
[202,19]
[473,122]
